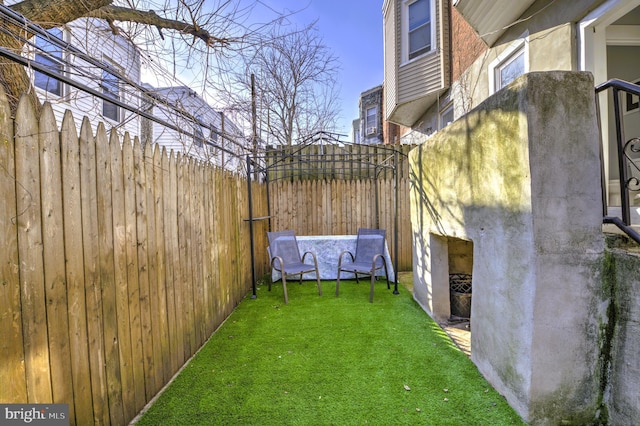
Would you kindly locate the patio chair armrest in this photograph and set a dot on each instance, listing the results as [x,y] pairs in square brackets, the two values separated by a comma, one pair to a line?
[375,261]
[280,263]
[342,254]
[315,259]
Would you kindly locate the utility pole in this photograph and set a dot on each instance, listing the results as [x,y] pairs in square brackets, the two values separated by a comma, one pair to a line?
[222,139]
[254,124]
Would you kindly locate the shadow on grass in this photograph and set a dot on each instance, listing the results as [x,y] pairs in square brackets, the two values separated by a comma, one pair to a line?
[329,360]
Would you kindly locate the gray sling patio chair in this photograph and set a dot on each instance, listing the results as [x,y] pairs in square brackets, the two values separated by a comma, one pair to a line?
[285,258]
[368,258]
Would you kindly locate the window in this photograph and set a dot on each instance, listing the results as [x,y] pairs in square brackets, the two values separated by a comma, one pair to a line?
[508,71]
[371,121]
[198,134]
[213,133]
[111,90]
[49,55]
[509,65]
[446,116]
[419,35]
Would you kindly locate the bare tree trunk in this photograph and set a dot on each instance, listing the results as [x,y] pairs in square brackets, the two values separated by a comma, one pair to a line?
[14,78]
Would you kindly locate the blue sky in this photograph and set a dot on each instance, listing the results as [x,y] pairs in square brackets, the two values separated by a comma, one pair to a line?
[352,29]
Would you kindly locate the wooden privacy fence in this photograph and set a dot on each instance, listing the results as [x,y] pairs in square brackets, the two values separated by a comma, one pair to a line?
[116,262]
[340,207]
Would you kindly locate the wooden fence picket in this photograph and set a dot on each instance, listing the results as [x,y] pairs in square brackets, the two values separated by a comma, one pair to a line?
[162,331]
[133,279]
[12,375]
[156,301]
[32,286]
[92,285]
[120,274]
[107,274]
[74,254]
[174,259]
[54,261]
[142,257]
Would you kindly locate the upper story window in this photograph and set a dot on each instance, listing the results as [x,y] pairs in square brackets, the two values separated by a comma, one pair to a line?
[509,65]
[419,29]
[371,121]
[49,54]
[198,134]
[446,115]
[111,90]
[213,133]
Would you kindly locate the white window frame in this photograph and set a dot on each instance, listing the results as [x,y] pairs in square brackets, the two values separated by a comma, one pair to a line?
[448,109]
[213,133]
[117,96]
[517,48]
[59,62]
[371,128]
[198,133]
[405,30]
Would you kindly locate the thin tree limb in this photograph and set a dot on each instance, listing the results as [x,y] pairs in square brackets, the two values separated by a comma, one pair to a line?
[149,17]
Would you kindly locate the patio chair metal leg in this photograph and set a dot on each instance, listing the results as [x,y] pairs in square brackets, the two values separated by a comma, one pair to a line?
[284,288]
[338,283]
[373,281]
[315,263]
[386,274]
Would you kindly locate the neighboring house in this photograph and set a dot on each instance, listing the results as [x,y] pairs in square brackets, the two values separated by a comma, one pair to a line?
[372,127]
[416,58]
[94,57]
[87,52]
[205,128]
[427,47]
[443,58]
[370,107]
[356,137]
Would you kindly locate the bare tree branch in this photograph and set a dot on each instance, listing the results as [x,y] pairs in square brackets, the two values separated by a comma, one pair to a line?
[213,46]
[116,13]
[296,78]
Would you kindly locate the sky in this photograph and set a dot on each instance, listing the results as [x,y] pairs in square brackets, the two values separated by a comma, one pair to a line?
[352,29]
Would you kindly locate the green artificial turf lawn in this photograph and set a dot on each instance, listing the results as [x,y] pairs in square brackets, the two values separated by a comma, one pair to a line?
[330,361]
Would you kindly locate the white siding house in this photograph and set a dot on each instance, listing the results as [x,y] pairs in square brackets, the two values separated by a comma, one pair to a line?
[90,57]
[93,57]
[205,133]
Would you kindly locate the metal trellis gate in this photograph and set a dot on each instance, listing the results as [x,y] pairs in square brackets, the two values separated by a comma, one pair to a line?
[324,158]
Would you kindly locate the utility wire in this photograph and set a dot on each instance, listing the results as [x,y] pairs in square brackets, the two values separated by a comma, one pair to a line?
[139,91]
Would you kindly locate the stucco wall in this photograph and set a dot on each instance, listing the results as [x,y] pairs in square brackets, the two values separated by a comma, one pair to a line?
[519,178]
[623,392]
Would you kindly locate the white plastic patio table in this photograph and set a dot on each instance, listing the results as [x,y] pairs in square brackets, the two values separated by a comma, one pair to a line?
[327,249]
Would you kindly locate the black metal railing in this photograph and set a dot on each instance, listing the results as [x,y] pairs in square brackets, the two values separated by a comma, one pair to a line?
[625,99]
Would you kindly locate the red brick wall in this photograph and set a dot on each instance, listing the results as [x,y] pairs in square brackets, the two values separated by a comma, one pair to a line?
[466,45]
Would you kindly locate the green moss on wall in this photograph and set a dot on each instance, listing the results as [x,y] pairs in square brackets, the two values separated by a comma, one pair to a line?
[480,161]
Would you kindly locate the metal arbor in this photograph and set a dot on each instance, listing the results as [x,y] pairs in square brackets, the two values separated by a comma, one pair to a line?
[330,158]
